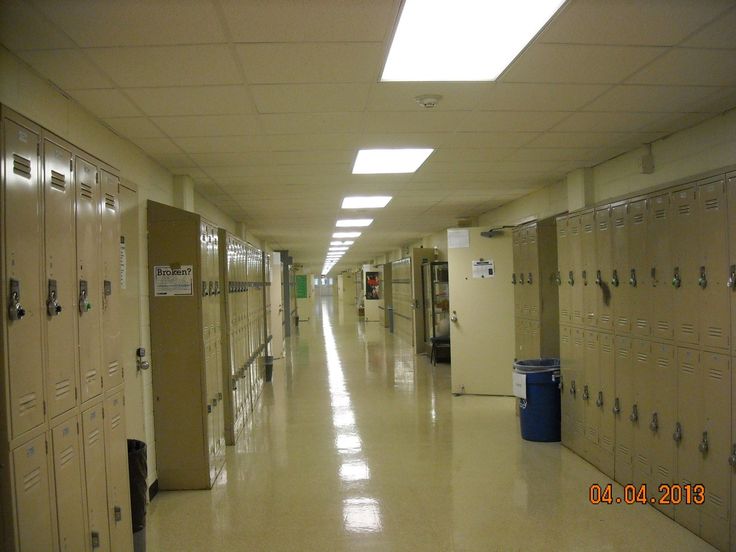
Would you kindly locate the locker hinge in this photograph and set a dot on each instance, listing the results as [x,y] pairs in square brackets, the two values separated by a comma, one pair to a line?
[76,395]
[102,382]
[38,149]
[71,165]
[46,443]
[77,428]
[44,408]
[97,178]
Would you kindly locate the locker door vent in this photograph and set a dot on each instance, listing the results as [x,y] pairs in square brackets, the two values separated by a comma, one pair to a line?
[27,403]
[67,456]
[619,222]
[115,422]
[94,437]
[664,473]
[622,353]
[588,228]
[715,500]
[623,449]
[63,388]
[113,368]
[58,181]
[85,190]
[641,324]
[660,214]
[603,225]
[712,203]
[31,479]
[663,326]
[687,329]
[642,460]
[91,376]
[642,357]
[638,218]
[21,166]
[683,209]
[563,232]
[607,442]
[663,363]
[715,374]
[606,347]
[687,368]
[110,202]
[715,332]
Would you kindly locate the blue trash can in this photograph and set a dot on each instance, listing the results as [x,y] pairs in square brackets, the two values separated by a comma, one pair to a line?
[540,411]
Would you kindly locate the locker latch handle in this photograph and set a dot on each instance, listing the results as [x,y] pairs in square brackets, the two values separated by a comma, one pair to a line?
[599,400]
[703,280]
[521,278]
[676,280]
[513,279]
[209,409]
[732,458]
[632,278]
[570,278]
[598,278]
[558,278]
[614,278]
[15,309]
[53,308]
[616,406]
[205,289]
[529,279]
[573,391]
[703,445]
[654,424]
[118,513]
[634,416]
[732,278]
[95,540]
[677,435]
[586,393]
[584,275]
[84,304]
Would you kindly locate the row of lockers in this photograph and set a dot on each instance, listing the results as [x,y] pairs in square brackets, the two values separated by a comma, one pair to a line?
[64,471]
[402,299]
[655,266]
[649,412]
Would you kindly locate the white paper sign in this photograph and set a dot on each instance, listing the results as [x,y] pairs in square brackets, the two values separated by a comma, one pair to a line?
[458,239]
[169,282]
[519,385]
[483,269]
[123,263]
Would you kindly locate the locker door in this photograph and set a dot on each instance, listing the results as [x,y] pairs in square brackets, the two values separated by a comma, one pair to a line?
[110,208]
[519,336]
[686,270]
[532,271]
[534,343]
[89,285]
[715,316]
[576,285]
[518,267]
[61,333]
[68,480]
[587,275]
[591,385]
[731,192]
[578,353]
[604,260]
[619,281]
[716,473]
[638,278]
[563,265]
[622,409]
[604,401]
[665,400]
[32,495]
[642,412]
[118,485]
[688,433]
[22,259]
[93,437]
[660,272]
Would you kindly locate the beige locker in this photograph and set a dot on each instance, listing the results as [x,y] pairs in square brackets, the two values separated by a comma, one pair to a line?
[715,315]
[688,431]
[604,261]
[575,282]
[568,388]
[118,483]
[89,285]
[67,453]
[93,438]
[731,283]
[564,272]
[638,277]
[686,268]
[532,286]
[620,289]
[534,340]
[623,409]
[516,280]
[61,332]
[591,385]
[664,366]
[31,481]
[659,253]
[578,355]
[22,274]
[604,402]
[110,209]
[587,275]
[642,416]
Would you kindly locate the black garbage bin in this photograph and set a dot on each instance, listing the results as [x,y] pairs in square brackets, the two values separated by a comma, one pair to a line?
[138,473]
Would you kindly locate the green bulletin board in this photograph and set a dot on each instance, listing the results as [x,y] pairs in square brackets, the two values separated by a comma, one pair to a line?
[301,286]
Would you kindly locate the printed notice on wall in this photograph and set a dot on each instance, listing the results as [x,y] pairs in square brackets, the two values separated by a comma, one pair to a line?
[483,269]
[458,239]
[123,263]
[169,281]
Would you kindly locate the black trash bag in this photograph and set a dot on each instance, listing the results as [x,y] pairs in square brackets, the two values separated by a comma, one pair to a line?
[138,473]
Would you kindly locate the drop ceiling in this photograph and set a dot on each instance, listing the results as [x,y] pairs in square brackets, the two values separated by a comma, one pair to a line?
[266,102]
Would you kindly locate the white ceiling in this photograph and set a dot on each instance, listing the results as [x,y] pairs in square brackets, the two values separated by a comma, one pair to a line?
[266,102]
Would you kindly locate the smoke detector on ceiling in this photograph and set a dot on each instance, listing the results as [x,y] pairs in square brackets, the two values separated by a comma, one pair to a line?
[428,101]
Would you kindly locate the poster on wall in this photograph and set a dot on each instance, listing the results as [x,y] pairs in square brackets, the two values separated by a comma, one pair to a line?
[372,283]
[483,269]
[301,286]
[172,281]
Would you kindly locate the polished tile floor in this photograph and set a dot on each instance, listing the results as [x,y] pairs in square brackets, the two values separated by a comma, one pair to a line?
[359,445]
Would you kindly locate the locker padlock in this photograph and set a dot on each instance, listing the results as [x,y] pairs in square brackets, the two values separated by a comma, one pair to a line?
[15,309]
[732,458]
[599,400]
[219,396]
[632,278]
[84,304]
[529,279]
[586,393]
[676,280]
[654,424]
[53,308]
[598,278]
[558,279]
[616,406]
[570,278]
[95,540]
[614,278]
[573,391]
[584,275]
[732,278]
[634,416]
[118,512]
[521,278]
[513,279]
[703,280]
[209,409]
[677,435]
[214,402]
[703,445]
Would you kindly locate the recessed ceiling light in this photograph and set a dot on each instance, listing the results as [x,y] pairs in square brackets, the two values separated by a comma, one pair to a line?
[349,223]
[390,161]
[462,40]
[346,235]
[365,202]
[338,248]
[346,242]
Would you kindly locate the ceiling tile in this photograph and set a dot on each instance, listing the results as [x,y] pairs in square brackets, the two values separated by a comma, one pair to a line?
[192,100]
[577,139]
[24,28]
[215,125]
[309,20]
[519,96]
[719,34]
[222,144]
[68,69]
[690,66]
[411,121]
[656,99]
[511,121]
[590,121]
[135,127]
[403,139]
[302,142]
[311,62]
[206,160]
[178,163]
[308,123]
[447,155]
[552,154]
[401,96]
[560,63]
[156,146]
[167,65]
[92,23]
[490,139]
[320,98]
[106,102]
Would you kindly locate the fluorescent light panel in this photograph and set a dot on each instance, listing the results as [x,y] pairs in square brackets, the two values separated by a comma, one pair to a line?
[390,161]
[339,248]
[346,235]
[338,242]
[350,223]
[365,202]
[463,40]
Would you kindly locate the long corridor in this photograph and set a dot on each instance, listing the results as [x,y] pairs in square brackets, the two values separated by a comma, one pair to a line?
[358,445]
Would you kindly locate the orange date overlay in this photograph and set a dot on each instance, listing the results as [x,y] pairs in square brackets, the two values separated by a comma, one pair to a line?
[638,494]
